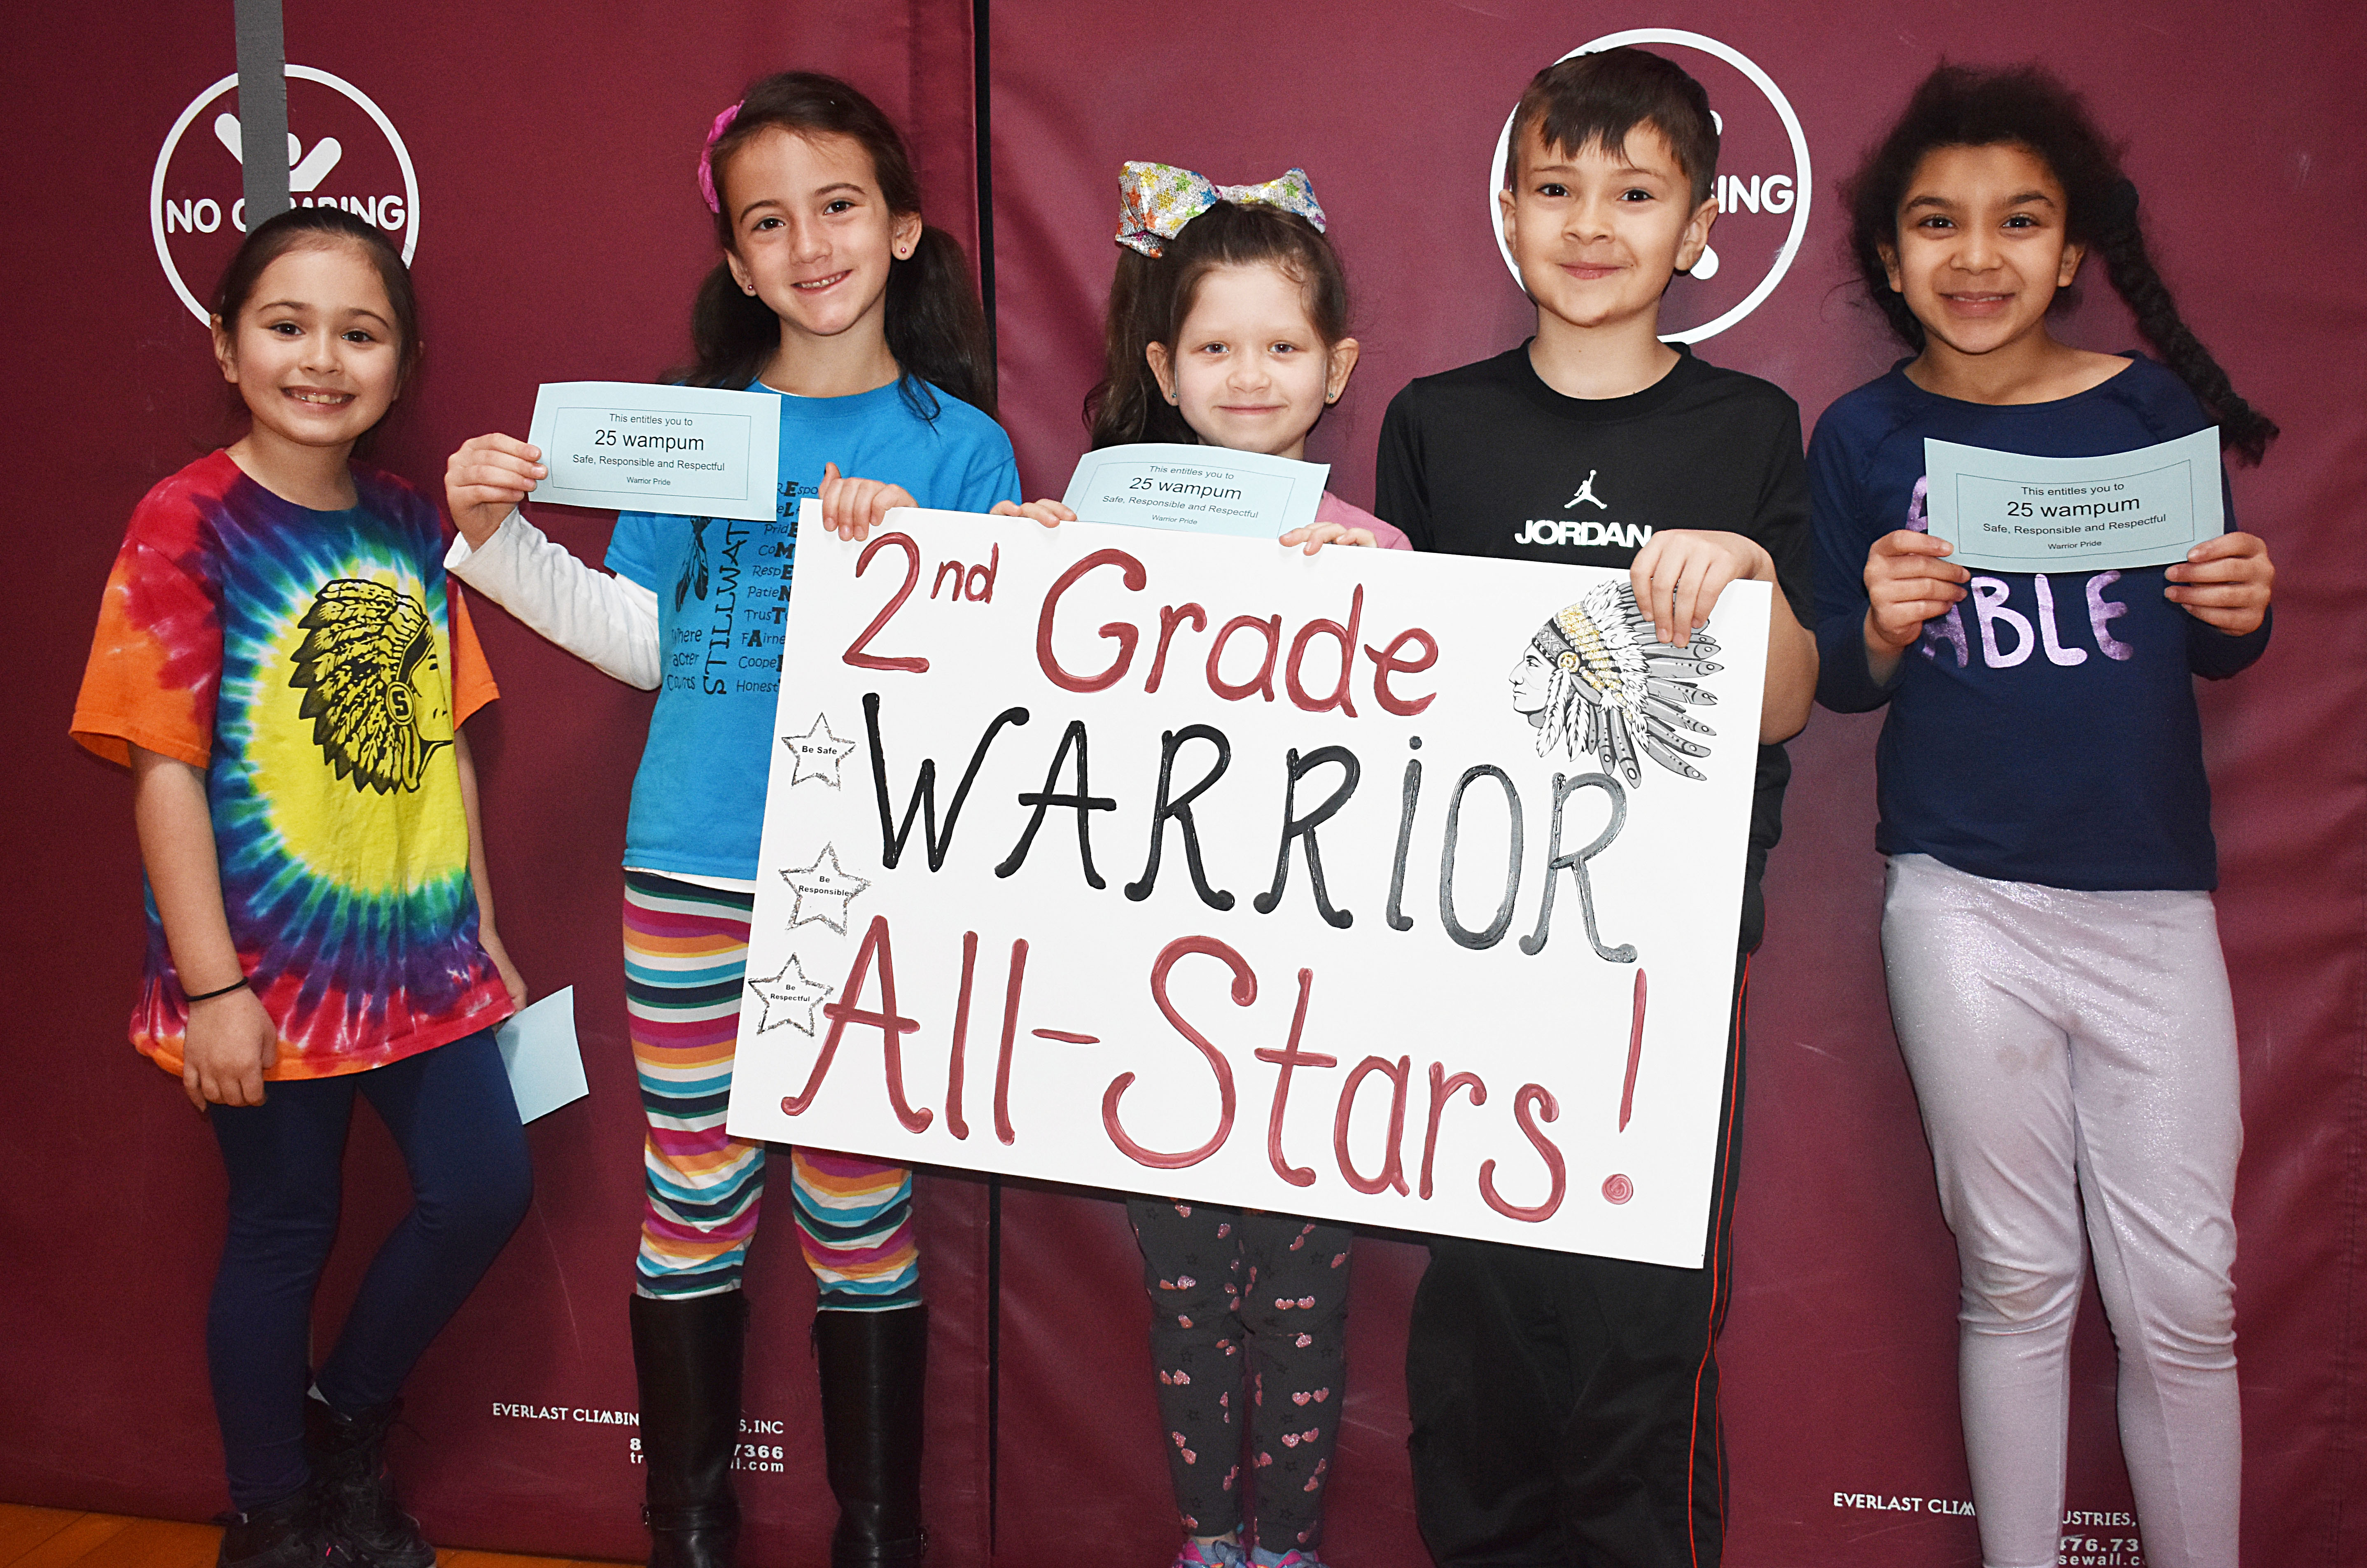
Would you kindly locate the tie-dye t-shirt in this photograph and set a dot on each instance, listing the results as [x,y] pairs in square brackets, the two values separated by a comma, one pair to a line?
[311,663]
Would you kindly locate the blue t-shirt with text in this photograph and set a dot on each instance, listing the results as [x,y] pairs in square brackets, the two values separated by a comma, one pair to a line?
[723,593]
[2044,730]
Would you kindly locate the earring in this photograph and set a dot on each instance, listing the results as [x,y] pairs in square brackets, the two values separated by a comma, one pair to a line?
[748,288]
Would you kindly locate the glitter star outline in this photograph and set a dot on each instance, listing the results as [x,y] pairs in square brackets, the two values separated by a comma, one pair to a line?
[811,882]
[789,990]
[827,754]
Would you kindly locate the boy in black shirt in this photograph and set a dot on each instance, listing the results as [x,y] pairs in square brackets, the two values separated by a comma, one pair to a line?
[1565,1406]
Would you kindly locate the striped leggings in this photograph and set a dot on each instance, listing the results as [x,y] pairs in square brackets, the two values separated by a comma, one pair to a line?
[685,957]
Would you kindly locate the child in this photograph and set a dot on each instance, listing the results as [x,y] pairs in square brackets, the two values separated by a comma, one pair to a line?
[279,663]
[1227,325]
[2054,965]
[834,295]
[1563,1407]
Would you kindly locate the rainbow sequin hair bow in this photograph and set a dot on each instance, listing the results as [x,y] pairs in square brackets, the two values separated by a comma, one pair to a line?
[1155,200]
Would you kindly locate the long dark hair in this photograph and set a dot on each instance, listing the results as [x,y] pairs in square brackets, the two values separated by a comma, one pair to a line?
[320,228]
[1960,105]
[936,328]
[1151,295]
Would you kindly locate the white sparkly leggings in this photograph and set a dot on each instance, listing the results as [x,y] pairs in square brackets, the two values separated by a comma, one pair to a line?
[2073,1048]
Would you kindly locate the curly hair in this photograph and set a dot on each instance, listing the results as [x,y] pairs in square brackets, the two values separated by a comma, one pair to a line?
[2026,106]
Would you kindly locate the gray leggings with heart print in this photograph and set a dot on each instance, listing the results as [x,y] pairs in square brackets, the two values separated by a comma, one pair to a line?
[1229,1287]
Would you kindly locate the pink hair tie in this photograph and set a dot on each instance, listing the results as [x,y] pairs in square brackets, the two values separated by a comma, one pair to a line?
[706,157]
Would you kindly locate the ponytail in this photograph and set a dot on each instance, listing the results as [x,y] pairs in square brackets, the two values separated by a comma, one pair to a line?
[731,333]
[937,328]
[1127,406]
[934,327]
[2243,429]
[1960,105]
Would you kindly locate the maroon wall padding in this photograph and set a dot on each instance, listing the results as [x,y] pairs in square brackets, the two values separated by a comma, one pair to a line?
[2247,139]
[562,234]
[561,238]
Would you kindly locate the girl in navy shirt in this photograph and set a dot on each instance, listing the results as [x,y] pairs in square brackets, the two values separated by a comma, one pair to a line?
[2053,958]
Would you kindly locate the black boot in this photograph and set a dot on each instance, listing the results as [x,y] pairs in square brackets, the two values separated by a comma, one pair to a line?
[289,1533]
[874,1367]
[687,1353]
[356,1495]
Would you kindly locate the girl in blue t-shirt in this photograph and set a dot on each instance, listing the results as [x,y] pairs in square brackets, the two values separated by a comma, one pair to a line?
[832,293]
[2047,932]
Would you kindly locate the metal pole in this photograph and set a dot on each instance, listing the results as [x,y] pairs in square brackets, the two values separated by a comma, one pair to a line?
[262,108]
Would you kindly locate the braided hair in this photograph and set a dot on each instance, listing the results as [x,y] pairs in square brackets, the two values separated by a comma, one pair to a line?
[1962,105]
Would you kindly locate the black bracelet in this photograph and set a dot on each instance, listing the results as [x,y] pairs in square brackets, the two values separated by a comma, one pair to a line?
[237,984]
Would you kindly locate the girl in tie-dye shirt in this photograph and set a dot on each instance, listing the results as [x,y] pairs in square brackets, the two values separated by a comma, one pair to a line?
[283,668]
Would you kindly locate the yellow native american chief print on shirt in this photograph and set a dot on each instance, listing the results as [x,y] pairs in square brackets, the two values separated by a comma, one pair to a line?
[373,687]
[314,665]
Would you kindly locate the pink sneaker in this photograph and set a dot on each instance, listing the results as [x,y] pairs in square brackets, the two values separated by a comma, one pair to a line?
[1220,1554]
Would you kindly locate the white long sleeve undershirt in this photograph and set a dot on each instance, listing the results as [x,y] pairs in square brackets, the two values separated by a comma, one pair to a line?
[604,619]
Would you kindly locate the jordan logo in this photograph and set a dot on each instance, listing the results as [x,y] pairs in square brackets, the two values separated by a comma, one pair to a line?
[1586,494]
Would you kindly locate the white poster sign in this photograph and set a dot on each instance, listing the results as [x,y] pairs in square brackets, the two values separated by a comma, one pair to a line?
[1398,889]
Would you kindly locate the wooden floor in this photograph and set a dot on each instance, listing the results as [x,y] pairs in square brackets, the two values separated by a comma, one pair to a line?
[60,1538]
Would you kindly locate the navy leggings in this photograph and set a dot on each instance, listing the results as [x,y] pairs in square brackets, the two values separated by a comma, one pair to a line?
[452,1115]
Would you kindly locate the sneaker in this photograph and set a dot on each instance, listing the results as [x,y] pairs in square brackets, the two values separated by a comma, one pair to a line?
[1218,1554]
[289,1533]
[356,1495]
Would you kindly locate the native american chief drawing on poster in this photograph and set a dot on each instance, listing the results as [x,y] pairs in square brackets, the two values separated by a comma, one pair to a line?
[1596,681]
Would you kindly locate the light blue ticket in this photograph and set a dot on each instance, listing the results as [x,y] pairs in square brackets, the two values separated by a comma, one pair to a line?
[2004,512]
[631,446]
[1196,489]
[538,1048]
